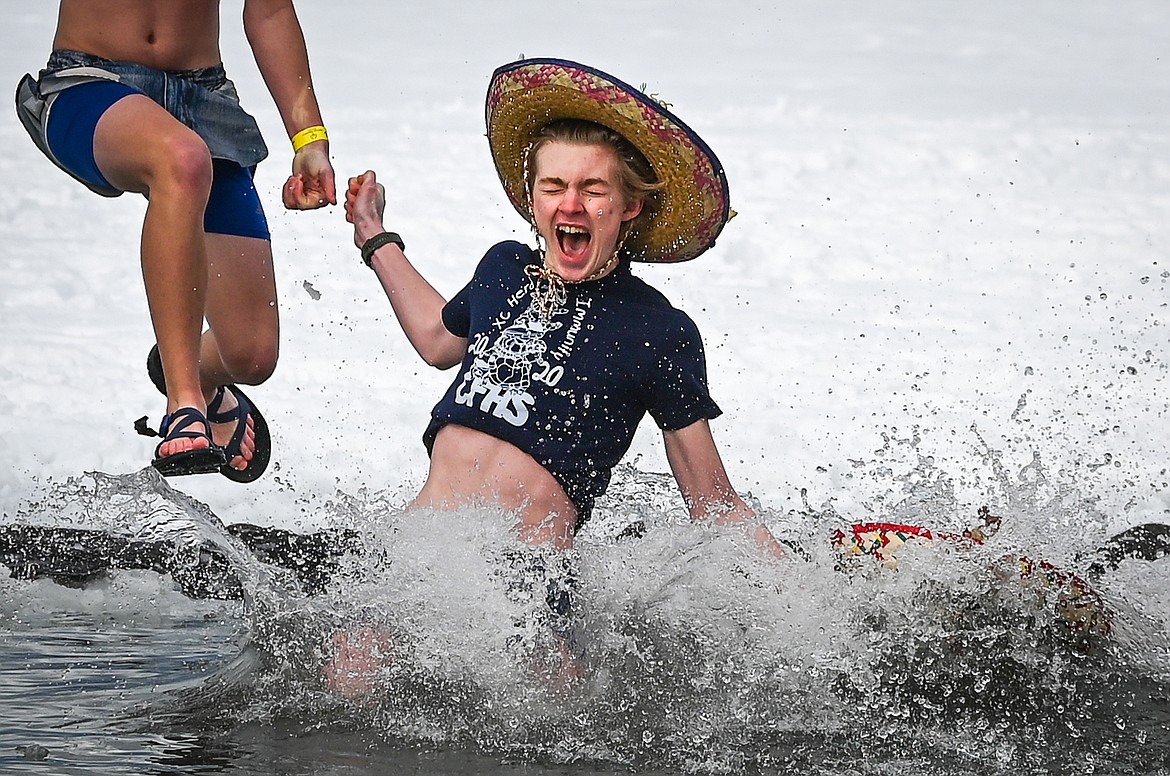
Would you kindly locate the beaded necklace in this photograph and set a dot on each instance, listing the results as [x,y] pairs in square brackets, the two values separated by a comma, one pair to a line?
[548,287]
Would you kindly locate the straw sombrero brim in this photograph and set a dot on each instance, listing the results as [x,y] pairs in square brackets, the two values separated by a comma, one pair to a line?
[693,205]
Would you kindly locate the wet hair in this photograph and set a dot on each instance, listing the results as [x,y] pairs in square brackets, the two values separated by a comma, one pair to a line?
[636,177]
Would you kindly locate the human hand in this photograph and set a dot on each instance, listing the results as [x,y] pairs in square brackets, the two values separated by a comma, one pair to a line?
[312,183]
[767,541]
[755,528]
[365,202]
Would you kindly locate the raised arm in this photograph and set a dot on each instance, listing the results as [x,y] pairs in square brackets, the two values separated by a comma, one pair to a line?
[278,43]
[705,486]
[417,304]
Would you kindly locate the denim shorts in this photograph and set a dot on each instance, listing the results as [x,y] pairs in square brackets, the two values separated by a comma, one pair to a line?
[61,108]
[203,99]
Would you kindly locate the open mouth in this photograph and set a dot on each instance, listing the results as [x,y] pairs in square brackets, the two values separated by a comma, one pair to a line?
[573,241]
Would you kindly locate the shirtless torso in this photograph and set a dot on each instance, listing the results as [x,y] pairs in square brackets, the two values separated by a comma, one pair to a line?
[163,34]
[470,467]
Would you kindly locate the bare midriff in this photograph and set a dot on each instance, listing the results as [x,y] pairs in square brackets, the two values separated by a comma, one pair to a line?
[163,34]
[469,467]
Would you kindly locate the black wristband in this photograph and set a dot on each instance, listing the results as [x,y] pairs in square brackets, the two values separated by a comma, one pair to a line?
[376,242]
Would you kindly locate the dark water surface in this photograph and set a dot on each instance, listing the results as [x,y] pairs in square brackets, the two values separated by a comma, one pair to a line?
[702,656]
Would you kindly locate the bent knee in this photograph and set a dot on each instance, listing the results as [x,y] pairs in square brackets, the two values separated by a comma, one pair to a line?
[184,169]
[251,365]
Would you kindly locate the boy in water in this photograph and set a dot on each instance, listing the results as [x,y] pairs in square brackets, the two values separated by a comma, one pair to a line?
[561,350]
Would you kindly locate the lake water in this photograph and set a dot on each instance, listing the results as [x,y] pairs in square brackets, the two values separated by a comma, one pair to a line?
[701,655]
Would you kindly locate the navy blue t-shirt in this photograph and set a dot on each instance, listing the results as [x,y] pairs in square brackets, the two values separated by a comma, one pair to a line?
[567,378]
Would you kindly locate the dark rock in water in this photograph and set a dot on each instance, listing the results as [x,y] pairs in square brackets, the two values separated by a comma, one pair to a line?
[33,752]
[314,557]
[1148,541]
[76,557]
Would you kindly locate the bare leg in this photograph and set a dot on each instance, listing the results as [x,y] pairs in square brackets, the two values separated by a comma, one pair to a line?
[242,343]
[355,660]
[140,147]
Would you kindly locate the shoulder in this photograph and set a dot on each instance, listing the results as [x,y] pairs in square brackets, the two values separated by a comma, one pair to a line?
[510,251]
[504,259]
[646,301]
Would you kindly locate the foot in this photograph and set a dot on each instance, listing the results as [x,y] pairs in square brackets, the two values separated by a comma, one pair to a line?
[223,404]
[186,447]
[182,444]
[220,432]
[249,449]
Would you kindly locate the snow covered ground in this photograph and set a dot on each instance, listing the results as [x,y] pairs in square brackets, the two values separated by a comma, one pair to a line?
[952,235]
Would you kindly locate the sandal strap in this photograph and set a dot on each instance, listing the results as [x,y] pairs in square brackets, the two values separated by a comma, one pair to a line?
[238,415]
[213,407]
[176,425]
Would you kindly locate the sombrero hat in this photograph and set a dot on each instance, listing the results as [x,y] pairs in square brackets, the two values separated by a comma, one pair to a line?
[526,95]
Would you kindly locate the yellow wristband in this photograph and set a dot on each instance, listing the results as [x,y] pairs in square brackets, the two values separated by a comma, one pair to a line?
[308,135]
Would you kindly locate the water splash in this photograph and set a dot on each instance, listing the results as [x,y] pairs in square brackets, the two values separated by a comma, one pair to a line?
[703,656]
[699,655]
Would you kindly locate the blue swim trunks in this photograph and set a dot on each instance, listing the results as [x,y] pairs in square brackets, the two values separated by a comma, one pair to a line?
[75,89]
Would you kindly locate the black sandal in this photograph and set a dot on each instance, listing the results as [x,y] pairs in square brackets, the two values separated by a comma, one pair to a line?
[204,460]
[263,451]
[240,414]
